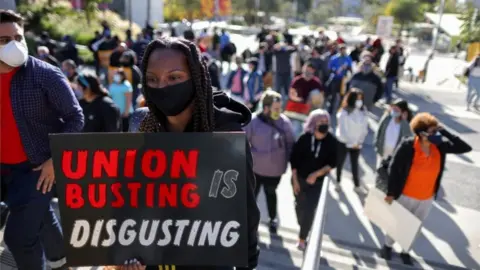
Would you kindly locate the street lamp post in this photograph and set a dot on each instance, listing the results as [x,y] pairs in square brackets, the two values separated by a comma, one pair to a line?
[437,28]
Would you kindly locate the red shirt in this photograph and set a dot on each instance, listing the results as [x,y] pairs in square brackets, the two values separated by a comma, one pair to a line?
[202,48]
[11,148]
[304,87]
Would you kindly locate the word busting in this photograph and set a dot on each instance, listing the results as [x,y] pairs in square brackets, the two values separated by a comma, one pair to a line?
[164,197]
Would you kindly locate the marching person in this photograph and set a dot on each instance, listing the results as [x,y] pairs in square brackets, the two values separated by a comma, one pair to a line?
[368,81]
[473,90]
[301,88]
[180,99]
[271,137]
[393,126]
[391,73]
[352,129]
[121,92]
[313,156]
[36,101]
[253,84]
[416,170]
[235,80]
[101,114]
[339,65]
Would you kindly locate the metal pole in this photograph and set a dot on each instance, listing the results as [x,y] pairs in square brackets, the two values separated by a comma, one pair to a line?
[129,7]
[437,28]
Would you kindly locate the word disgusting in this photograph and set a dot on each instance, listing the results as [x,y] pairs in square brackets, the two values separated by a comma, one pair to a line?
[106,233]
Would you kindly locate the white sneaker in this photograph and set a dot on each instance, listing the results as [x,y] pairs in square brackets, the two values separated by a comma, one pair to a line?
[338,188]
[364,186]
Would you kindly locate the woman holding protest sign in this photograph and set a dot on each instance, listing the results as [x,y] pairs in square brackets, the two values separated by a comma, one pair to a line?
[312,157]
[180,98]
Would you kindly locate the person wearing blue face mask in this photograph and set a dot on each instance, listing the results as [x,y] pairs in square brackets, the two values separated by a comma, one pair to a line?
[416,170]
[393,126]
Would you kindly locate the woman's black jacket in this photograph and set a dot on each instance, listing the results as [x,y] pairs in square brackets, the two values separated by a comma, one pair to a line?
[402,161]
[230,115]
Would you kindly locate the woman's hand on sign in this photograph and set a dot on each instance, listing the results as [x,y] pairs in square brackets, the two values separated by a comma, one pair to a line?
[47,176]
[132,264]
[389,199]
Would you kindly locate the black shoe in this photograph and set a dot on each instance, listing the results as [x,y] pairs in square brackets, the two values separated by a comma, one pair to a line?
[386,253]
[406,259]
[273,226]
[3,216]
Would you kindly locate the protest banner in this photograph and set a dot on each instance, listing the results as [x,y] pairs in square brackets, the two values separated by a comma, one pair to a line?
[394,219]
[167,198]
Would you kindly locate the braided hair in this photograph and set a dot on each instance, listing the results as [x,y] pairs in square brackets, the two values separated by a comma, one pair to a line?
[203,117]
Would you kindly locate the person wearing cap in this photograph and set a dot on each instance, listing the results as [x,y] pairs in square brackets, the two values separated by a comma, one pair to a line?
[271,137]
[393,126]
[339,65]
[254,84]
[416,169]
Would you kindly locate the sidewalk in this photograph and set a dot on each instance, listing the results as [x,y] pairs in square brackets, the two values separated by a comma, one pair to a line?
[449,238]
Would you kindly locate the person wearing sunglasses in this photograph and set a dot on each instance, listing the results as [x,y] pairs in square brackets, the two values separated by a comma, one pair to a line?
[416,170]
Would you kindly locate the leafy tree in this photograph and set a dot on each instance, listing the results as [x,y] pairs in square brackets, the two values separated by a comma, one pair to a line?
[91,6]
[405,11]
[320,15]
[470,29]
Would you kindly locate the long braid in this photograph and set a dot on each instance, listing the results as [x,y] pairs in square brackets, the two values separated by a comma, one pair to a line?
[203,116]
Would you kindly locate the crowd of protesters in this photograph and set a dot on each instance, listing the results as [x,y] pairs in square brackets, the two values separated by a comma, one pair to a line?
[305,105]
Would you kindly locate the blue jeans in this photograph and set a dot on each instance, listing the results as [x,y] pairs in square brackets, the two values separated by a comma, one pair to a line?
[282,84]
[297,127]
[389,89]
[32,231]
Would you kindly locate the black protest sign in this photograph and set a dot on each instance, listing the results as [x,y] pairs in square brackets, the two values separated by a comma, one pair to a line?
[167,198]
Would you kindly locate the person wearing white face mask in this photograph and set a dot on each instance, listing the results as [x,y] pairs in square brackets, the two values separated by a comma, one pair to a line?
[352,128]
[36,100]
[393,126]
[121,92]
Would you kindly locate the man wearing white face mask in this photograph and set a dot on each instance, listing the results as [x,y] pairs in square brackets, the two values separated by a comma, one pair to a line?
[36,100]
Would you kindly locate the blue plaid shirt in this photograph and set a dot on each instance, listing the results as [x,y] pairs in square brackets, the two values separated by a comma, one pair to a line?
[43,103]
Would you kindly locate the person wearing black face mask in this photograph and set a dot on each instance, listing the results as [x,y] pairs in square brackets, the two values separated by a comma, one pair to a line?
[416,170]
[312,157]
[180,98]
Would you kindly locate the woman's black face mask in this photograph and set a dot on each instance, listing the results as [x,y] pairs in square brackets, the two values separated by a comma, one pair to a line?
[173,99]
[323,128]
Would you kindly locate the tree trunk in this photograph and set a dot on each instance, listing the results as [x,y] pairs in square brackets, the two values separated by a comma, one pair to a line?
[50,3]
[402,26]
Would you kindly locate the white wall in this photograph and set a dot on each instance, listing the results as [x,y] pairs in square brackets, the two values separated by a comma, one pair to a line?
[139,11]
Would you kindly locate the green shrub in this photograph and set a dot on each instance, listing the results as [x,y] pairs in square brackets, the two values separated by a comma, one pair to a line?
[86,55]
[61,20]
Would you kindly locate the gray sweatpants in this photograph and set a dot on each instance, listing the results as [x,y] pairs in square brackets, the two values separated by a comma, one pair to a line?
[420,208]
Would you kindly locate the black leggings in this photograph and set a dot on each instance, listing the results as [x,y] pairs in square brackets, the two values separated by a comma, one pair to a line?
[269,188]
[305,205]
[354,156]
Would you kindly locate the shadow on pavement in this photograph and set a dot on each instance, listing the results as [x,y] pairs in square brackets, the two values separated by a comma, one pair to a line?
[276,250]
[441,225]
[437,109]
[344,227]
